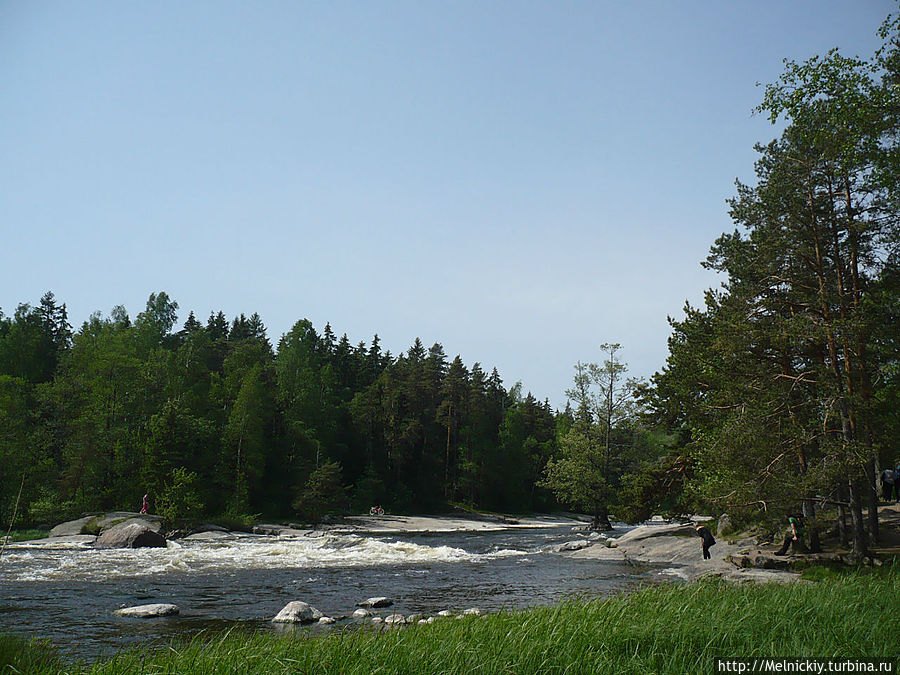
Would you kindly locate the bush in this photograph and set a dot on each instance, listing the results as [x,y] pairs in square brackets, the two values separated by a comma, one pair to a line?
[180,500]
[323,493]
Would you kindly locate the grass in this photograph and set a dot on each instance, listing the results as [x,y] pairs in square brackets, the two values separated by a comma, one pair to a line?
[26,535]
[658,629]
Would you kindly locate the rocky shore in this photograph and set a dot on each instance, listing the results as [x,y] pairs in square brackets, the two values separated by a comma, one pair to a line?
[675,549]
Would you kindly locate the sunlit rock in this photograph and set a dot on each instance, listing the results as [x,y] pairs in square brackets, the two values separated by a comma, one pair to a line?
[149,611]
[130,535]
[298,612]
[375,602]
[361,613]
[573,546]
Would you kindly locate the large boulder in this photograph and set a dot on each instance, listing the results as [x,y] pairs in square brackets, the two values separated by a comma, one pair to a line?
[100,523]
[724,526]
[149,611]
[130,535]
[375,602]
[298,612]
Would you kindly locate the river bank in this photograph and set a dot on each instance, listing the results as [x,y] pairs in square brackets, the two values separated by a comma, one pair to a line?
[668,628]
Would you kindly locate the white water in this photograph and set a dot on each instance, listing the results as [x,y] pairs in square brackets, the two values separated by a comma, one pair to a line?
[43,562]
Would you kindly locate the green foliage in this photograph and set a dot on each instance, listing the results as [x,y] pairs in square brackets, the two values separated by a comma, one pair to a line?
[119,408]
[26,535]
[180,500]
[599,446]
[324,493]
[780,385]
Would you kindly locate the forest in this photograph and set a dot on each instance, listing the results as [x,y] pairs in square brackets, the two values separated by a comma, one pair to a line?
[780,394]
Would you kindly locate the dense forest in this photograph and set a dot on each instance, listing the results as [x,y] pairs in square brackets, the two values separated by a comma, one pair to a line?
[210,418]
[780,394]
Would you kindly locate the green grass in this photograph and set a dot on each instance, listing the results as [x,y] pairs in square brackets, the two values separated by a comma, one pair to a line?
[26,535]
[658,629]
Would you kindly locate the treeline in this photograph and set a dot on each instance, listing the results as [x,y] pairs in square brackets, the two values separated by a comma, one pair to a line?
[783,389]
[210,419]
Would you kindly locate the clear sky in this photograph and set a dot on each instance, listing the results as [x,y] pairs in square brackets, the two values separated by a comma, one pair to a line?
[520,181]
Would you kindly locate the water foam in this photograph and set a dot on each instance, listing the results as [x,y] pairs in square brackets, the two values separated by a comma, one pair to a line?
[244,552]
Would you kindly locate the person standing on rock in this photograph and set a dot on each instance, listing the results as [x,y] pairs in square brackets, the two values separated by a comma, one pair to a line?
[708,539]
[145,507]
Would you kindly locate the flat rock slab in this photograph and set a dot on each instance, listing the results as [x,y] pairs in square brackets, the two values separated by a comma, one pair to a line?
[149,611]
[62,541]
[71,527]
[212,535]
[375,602]
[298,612]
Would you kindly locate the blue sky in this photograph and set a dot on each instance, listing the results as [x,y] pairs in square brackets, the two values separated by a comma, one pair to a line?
[521,181]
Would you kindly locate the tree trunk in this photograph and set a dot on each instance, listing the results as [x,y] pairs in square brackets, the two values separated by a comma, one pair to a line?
[872,490]
[843,533]
[812,526]
[860,546]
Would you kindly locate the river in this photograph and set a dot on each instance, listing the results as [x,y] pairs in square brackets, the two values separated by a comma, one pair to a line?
[68,594]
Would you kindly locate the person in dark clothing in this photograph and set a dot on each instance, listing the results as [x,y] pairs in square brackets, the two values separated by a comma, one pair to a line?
[793,538]
[708,539]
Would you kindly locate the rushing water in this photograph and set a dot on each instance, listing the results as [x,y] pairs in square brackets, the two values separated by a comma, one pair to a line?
[68,594]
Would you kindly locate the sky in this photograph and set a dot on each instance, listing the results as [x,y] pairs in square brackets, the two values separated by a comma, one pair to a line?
[519,181]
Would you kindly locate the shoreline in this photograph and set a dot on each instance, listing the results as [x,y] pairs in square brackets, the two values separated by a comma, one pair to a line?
[676,549]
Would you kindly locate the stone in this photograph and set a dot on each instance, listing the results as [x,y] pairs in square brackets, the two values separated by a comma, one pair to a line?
[130,535]
[326,620]
[70,528]
[472,611]
[116,518]
[414,618]
[573,546]
[298,612]
[445,613]
[209,535]
[395,619]
[361,613]
[430,619]
[377,619]
[149,611]
[267,528]
[375,602]
[725,526]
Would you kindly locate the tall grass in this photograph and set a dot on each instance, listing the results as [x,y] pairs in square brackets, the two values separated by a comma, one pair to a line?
[659,629]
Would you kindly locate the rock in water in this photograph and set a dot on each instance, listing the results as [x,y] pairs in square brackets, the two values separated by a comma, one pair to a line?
[361,613]
[298,612]
[573,546]
[375,602]
[130,535]
[395,619]
[149,611]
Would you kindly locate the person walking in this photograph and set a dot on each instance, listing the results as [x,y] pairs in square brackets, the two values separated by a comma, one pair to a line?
[793,539]
[708,539]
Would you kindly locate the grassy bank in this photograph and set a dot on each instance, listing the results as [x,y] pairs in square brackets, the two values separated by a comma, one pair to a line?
[24,535]
[659,629]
